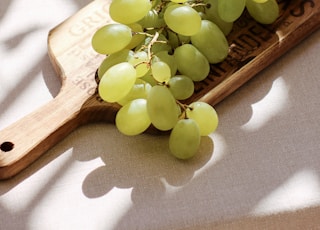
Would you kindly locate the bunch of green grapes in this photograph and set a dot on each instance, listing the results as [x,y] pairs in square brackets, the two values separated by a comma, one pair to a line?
[155,51]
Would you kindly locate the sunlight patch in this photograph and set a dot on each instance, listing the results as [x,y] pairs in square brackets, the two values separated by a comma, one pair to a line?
[299,191]
[268,107]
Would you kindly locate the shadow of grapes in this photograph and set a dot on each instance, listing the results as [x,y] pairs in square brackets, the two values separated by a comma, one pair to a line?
[145,168]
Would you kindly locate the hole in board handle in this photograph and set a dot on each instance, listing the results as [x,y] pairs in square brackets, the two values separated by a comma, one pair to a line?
[6,146]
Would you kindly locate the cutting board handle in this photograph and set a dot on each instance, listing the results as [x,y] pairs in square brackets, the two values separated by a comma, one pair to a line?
[34,134]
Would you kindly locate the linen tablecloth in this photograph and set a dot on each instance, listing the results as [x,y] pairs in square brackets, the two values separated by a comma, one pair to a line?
[259,170]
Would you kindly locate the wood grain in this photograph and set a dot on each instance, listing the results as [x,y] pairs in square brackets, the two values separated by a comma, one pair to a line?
[252,48]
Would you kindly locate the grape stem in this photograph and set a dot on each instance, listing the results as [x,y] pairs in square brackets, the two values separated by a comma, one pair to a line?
[149,46]
[198,4]
[184,107]
[154,39]
[142,33]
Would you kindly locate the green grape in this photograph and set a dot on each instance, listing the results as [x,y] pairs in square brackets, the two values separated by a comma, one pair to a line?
[149,78]
[132,118]
[169,59]
[112,59]
[184,39]
[162,108]
[140,60]
[213,15]
[211,42]
[260,1]
[160,71]
[140,89]
[128,11]
[205,116]
[117,82]
[231,10]
[191,62]
[181,87]
[150,20]
[111,38]
[184,140]
[182,19]
[137,37]
[202,15]
[265,12]
[173,39]
[179,1]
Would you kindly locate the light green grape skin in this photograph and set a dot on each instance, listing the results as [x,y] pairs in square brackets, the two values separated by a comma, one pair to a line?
[112,59]
[140,89]
[184,39]
[161,71]
[181,87]
[182,19]
[205,116]
[178,1]
[150,20]
[260,1]
[111,38]
[132,118]
[265,12]
[213,15]
[149,78]
[169,59]
[140,61]
[137,37]
[162,108]
[173,39]
[231,10]
[128,11]
[117,82]
[184,140]
[211,42]
[191,62]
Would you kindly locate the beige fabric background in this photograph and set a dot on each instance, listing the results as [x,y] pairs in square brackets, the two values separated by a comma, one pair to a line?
[260,170]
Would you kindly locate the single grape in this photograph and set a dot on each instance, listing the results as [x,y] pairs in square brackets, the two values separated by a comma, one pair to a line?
[117,82]
[213,15]
[140,61]
[160,71]
[231,10]
[162,108]
[264,12]
[181,87]
[173,39]
[184,140]
[211,42]
[182,19]
[128,11]
[150,20]
[169,59]
[112,59]
[140,89]
[111,38]
[132,118]
[191,62]
[205,116]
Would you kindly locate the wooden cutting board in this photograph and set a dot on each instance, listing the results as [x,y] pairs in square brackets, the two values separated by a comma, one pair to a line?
[252,48]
